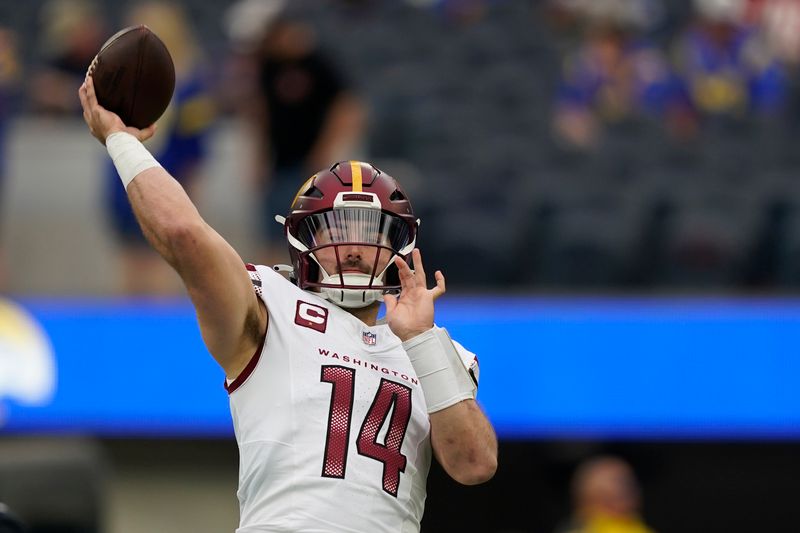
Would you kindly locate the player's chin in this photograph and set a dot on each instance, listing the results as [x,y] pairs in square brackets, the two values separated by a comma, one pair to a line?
[360,270]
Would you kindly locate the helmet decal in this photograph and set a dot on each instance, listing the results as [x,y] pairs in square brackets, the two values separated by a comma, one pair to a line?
[303,189]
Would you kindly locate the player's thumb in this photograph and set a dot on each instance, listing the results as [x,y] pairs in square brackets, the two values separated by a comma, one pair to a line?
[148,132]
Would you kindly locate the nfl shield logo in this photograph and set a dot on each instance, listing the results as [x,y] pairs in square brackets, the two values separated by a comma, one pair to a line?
[369,338]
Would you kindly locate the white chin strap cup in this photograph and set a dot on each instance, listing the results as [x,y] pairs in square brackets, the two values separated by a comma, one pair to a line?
[352,298]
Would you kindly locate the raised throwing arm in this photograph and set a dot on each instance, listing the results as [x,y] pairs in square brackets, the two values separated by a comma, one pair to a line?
[232,319]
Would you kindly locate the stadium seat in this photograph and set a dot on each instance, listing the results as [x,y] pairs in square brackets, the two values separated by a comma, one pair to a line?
[707,237]
[590,237]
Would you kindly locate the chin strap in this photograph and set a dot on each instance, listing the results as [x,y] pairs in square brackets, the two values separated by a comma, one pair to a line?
[349,298]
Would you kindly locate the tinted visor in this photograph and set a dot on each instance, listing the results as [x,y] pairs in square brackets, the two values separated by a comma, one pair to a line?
[354,225]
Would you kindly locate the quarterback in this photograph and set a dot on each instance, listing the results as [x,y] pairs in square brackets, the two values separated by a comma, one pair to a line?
[337,414]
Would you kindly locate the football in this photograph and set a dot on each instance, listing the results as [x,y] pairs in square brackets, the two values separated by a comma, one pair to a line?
[134,76]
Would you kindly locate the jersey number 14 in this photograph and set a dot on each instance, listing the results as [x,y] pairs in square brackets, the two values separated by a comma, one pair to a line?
[391,397]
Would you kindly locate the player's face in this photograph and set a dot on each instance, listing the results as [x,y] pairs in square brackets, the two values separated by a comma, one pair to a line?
[356,258]
[353,239]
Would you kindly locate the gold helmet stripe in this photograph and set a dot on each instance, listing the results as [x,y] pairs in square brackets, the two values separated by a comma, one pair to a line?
[355,173]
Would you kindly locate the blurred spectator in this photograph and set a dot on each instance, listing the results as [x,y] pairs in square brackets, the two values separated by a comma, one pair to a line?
[606,498]
[615,74]
[180,144]
[10,76]
[303,114]
[729,70]
[72,32]
[632,13]
[780,25]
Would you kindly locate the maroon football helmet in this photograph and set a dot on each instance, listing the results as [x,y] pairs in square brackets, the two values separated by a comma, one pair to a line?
[346,226]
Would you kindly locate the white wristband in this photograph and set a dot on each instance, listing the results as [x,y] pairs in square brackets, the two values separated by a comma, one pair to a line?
[444,379]
[129,156]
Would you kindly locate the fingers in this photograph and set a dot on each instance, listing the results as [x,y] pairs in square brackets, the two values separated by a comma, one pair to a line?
[407,280]
[419,270]
[416,278]
[85,106]
[82,97]
[440,287]
[103,122]
[91,97]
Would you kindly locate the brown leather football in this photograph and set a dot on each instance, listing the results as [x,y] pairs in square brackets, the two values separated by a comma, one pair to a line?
[134,76]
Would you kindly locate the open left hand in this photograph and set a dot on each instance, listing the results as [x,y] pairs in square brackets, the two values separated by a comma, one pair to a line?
[412,312]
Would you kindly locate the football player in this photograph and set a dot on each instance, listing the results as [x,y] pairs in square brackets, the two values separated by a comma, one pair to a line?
[336,414]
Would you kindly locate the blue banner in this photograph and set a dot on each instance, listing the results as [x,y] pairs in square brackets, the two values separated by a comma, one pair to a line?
[550,368]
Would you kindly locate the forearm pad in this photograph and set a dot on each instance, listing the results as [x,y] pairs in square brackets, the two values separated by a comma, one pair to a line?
[444,379]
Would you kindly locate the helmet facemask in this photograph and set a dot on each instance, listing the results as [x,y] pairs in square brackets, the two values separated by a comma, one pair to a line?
[347,253]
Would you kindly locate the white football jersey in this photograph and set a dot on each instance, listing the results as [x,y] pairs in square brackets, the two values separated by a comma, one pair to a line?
[330,419]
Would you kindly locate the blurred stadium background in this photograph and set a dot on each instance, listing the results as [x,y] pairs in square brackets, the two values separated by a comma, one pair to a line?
[627,273]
